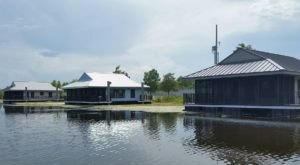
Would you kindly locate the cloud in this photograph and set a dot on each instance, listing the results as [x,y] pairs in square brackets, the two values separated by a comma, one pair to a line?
[46,40]
[276,9]
[72,26]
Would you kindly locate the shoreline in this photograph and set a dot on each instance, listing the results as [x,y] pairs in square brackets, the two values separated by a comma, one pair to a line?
[154,107]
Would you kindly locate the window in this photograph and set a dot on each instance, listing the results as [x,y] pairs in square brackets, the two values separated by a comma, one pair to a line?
[50,94]
[32,94]
[132,93]
[118,93]
[42,93]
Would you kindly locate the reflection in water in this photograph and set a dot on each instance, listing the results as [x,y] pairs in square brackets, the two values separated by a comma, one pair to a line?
[156,121]
[244,142]
[132,137]
[105,115]
[246,113]
[30,109]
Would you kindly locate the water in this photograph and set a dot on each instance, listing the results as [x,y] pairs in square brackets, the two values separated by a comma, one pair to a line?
[52,136]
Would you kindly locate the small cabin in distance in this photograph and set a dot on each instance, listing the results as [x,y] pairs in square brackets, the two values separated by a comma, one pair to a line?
[100,88]
[23,91]
[247,79]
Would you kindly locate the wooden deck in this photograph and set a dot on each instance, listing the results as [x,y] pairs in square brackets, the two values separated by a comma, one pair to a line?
[296,107]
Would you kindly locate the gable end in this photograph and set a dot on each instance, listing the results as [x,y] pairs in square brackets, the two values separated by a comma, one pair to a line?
[240,56]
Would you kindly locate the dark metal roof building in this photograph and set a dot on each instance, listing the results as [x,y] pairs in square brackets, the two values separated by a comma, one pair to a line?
[246,79]
[247,62]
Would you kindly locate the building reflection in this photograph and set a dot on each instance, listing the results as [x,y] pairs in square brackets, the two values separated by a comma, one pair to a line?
[246,113]
[152,122]
[237,141]
[30,109]
[105,115]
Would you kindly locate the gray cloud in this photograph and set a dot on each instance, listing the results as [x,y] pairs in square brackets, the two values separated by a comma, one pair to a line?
[73,26]
[60,39]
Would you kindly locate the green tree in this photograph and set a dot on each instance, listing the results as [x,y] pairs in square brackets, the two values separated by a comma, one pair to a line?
[151,78]
[67,83]
[119,71]
[58,84]
[54,83]
[243,45]
[183,83]
[1,94]
[168,83]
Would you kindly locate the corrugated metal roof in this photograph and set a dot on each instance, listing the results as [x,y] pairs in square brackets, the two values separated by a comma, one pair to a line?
[243,62]
[287,62]
[100,80]
[266,65]
[30,85]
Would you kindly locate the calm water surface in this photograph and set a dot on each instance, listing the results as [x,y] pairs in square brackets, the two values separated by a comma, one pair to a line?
[51,136]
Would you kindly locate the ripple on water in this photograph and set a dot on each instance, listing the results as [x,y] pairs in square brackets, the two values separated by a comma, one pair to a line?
[152,138]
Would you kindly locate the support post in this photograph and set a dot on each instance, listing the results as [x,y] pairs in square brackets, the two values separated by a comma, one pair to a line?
[26,94]
[296,90]
[108,92]
[143,93]
[57,94]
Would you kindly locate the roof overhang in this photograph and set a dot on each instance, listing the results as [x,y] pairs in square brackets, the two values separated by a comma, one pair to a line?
[280,72]
[81,87]
[54,90]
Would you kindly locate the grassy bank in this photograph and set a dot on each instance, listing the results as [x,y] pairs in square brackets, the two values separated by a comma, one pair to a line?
[168,100]
[1,101]
[159,104]
[157,101]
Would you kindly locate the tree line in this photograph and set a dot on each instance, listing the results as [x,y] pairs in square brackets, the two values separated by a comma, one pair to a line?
[59,84]
[168,82]
[151,78]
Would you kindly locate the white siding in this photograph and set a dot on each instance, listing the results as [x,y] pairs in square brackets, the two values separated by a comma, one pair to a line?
[138,92]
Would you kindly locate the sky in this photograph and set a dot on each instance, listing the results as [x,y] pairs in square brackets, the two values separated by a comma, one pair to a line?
[60,39]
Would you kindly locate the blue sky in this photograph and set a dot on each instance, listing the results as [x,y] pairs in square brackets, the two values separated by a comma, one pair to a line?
[61,39]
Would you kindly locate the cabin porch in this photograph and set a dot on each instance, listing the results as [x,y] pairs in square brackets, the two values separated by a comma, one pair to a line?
[272,92]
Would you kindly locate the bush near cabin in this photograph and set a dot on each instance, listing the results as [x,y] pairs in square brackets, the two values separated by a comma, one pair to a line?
[151,78]
[168,83]
[175,100]
[1,95]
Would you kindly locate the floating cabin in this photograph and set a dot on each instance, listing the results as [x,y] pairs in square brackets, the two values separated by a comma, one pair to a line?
[247,79]
[99,88]
[23,91]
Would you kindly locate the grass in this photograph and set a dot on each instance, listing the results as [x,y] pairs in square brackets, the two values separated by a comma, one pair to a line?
[168,100]
[47,103]
[159,104]
[1,101]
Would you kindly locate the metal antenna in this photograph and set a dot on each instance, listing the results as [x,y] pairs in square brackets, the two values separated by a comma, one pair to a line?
[215,48]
